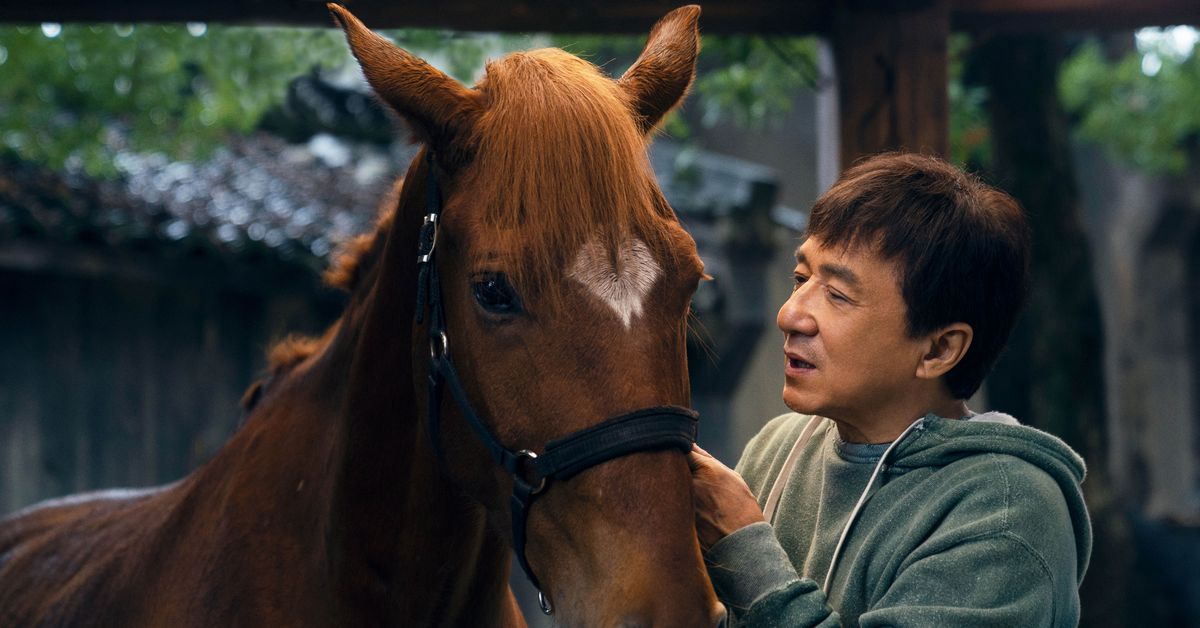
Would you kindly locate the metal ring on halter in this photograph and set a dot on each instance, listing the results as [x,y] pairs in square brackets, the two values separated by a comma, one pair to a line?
[438,345]
[531,457]
[544,602]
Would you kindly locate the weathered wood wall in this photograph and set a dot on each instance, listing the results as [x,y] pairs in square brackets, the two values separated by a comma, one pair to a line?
[108,382]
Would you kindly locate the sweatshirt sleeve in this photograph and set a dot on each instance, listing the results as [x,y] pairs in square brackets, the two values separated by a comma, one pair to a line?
[755,580]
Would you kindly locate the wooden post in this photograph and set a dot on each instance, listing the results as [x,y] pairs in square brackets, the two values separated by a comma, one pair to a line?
[892,77]
[1051,373]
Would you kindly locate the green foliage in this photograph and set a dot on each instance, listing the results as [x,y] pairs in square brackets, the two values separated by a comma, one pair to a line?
[753,80]
[970,128]
[750,81]
[176,89]
[1149,120]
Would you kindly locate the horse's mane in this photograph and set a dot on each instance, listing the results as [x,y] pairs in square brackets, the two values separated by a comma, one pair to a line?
[565,163]
[283,356]
[358,255]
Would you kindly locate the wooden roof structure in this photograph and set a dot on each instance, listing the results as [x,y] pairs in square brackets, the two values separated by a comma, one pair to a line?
[894,49]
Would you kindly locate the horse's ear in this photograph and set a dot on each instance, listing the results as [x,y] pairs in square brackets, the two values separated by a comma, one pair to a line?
[439,109]
[658,80]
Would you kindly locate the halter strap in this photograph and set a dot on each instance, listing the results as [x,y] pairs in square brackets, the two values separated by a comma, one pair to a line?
[646,429]
[663,427]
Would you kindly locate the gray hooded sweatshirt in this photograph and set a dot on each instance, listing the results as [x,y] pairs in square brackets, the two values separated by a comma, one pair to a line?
[975,522]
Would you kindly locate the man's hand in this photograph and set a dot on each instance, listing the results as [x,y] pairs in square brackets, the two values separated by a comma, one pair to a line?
[723,501]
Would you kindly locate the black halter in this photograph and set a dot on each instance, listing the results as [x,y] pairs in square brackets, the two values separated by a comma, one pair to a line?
[662,427]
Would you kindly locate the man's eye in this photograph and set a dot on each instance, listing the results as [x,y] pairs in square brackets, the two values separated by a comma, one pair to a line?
[494,294]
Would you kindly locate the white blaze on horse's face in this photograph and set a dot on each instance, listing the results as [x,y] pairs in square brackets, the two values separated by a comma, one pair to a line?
[624,289]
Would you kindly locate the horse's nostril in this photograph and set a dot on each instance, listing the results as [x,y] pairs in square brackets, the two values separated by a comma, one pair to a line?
[722,618]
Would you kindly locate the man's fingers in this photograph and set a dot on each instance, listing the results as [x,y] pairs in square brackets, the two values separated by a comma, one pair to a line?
[698,458]
[695,459]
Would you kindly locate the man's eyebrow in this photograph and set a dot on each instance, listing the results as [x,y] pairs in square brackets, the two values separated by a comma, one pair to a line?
[841,272]
[833,270]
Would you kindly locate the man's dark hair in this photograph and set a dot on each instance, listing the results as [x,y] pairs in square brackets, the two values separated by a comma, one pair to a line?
[962,248]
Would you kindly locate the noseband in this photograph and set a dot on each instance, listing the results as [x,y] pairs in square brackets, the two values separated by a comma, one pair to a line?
[654,428]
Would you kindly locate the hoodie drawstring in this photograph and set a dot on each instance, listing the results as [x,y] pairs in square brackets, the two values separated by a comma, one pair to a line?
[862,499]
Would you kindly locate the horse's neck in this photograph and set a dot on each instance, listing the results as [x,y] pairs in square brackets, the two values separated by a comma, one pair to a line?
[398,541]
[405,532]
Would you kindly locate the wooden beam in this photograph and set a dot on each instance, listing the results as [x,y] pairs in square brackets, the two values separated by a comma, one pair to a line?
[892,79]
[560,16]
[790,17]
[1058,15]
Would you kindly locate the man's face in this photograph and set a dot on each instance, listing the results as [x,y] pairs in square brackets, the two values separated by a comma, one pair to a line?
[848,352]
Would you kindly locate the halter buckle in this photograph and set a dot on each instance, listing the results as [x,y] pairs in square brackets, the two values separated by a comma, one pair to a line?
[541,479]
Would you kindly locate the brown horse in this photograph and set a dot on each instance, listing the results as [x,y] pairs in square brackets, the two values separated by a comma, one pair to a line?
[562,286]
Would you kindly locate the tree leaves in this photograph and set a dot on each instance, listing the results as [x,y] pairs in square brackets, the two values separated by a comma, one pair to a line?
[1150,119]
[72,98]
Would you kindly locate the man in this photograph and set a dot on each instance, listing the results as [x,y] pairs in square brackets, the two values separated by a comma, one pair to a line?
[888,502]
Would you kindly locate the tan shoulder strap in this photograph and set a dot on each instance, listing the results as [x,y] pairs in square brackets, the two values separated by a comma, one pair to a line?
[786,471]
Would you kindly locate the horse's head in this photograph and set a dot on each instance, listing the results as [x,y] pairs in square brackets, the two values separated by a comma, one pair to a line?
[566,280]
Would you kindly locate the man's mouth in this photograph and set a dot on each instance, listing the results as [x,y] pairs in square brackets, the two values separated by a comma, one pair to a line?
[799,363]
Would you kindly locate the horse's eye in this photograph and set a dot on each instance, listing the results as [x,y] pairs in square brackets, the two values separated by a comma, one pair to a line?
[495,295]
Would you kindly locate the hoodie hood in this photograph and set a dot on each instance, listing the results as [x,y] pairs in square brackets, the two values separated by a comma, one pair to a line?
[937,442]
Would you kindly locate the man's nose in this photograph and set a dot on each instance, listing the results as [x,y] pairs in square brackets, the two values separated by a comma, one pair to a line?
[796,315]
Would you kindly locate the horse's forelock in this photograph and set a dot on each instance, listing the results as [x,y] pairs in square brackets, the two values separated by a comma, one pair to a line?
[560,162]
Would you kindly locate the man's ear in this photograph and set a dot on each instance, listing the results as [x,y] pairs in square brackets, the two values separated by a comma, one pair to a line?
[946,347]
